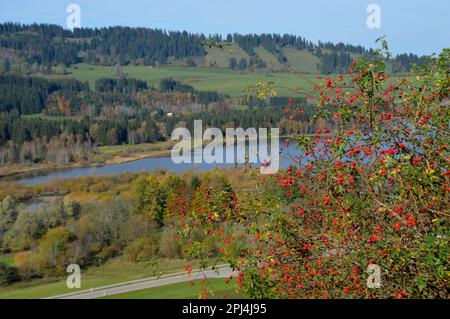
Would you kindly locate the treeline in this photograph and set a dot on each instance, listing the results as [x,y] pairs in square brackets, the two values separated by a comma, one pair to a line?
[28,95]
[51,45]
[36,140]
[171,85]
[203,97]
[272,43]
[404,62]
[254,62]
[120,86]
[334,62]
[31,95]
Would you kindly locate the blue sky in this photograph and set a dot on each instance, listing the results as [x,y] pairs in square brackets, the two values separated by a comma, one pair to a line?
[418,26]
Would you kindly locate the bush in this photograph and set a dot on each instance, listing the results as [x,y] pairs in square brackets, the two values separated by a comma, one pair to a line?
[52,250]
[27,264]
[169,247]
[108,252]
[140,250]
[8,275]
[371,194]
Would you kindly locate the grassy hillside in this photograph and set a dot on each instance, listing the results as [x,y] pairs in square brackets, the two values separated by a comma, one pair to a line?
[217,57]
[298,60]
[302,60]
[270,59]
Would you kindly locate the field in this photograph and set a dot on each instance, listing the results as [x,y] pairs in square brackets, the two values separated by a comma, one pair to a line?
[113,272]
[118,150]
[221,80]
[181,291]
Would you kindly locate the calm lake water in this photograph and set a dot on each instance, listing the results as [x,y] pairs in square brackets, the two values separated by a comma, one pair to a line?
[143,165]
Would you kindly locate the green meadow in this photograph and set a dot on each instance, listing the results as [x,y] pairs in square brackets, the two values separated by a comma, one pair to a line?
[222,80]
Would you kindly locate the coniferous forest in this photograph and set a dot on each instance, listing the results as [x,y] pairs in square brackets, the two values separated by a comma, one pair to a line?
[52,45]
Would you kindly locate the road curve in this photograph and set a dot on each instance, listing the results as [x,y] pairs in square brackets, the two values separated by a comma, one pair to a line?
[222,272]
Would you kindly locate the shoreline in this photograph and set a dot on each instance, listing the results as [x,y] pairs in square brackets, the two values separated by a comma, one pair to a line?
[10,172]
[116,157]
[18,170]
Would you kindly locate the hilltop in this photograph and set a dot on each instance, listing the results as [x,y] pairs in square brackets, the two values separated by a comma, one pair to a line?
[43,46]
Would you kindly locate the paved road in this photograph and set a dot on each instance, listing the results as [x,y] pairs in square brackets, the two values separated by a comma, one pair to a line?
[146,284]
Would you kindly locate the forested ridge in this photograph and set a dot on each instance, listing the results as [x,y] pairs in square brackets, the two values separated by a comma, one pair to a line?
[46,45]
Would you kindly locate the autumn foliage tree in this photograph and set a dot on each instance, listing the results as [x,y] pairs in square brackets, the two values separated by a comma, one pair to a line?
[371,194]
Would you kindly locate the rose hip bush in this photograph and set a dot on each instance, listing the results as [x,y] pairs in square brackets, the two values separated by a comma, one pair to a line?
[373,189]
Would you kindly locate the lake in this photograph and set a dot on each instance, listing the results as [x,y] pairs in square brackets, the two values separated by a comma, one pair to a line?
[142,165]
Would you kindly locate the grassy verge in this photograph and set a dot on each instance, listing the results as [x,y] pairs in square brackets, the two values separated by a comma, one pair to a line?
[182,290]
[113,272]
